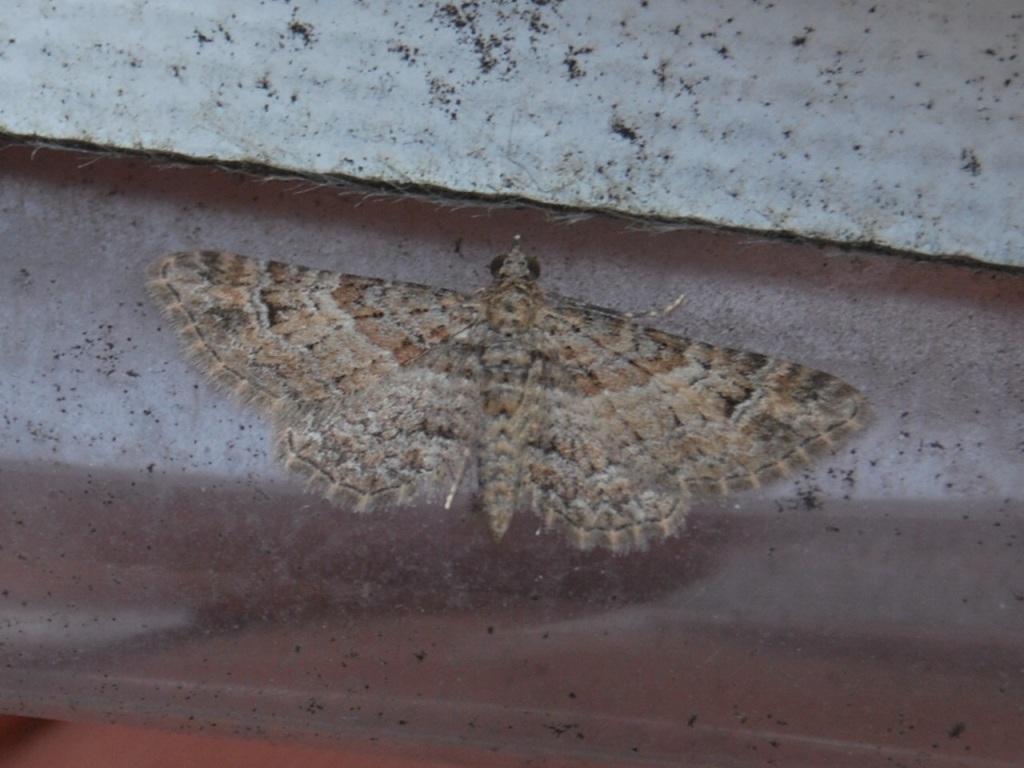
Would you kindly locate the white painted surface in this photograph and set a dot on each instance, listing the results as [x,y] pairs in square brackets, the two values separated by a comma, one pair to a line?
[883,122]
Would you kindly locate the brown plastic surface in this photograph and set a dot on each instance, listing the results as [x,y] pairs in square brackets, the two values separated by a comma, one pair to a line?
[156,567]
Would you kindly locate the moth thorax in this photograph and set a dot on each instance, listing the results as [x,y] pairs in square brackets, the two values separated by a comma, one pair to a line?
[512,311]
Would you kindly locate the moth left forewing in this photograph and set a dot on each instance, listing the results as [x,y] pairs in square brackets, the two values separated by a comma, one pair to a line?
[410,433]
[342,364]
[272,333]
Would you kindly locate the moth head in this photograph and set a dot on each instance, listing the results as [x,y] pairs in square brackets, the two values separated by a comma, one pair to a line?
[515,265]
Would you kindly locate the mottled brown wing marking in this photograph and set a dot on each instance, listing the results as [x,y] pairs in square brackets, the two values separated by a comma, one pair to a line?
[417,317]
[387,444]
[315,349]
[269,332]
[604,346]
[638,420]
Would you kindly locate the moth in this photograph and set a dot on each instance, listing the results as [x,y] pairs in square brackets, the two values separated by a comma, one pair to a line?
[381,390]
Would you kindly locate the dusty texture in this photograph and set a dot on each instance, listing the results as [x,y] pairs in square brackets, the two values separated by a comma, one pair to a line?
[379,390]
